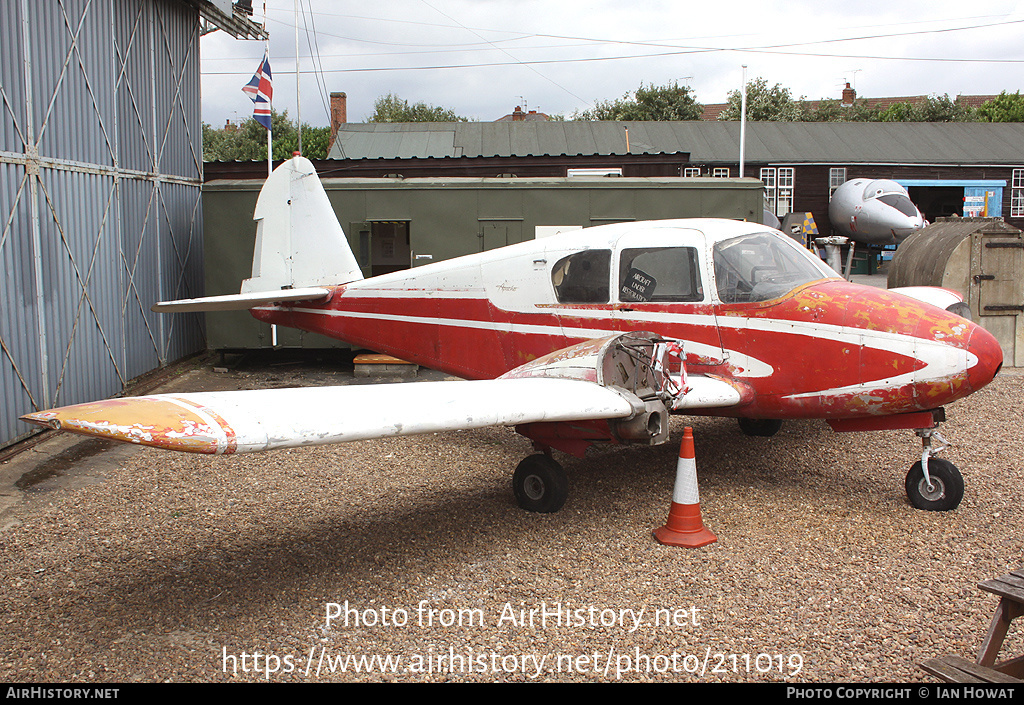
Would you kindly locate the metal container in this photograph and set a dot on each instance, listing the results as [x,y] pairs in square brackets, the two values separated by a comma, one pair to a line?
[983,259]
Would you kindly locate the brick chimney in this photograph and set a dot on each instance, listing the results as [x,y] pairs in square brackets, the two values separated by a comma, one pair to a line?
[518,113]
[849,95]
[339,114]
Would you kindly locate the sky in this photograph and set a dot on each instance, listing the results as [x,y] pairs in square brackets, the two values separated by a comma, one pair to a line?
[482,58]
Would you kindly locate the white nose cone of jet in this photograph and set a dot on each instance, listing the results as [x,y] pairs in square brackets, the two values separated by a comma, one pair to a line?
[874,211]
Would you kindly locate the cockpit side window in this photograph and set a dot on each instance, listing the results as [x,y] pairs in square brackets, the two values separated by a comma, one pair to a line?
[900,202]
[659,274]
[760,267]
[582,277]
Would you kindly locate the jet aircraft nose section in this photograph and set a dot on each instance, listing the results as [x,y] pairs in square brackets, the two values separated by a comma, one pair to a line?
[983,347]
[877,211]
[891,194]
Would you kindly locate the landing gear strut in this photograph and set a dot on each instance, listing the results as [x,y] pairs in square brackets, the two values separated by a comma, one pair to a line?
[934,484]
[540,484]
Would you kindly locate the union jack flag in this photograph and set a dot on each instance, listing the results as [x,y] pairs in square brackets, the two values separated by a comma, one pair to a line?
[261,91]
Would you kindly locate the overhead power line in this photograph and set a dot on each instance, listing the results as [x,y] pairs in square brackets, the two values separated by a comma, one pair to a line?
[678,50]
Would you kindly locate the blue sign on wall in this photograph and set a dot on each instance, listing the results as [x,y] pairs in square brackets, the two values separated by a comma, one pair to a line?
[983,202]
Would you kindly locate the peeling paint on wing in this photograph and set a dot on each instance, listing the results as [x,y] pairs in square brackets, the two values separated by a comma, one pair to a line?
[159,421]
[134,433]
[191,429]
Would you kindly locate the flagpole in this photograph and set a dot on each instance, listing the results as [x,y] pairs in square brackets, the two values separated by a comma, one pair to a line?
[270,149]
[270,141]
[298,101]
[743,120]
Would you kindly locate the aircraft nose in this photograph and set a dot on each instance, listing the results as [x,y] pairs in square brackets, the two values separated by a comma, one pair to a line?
[983,346]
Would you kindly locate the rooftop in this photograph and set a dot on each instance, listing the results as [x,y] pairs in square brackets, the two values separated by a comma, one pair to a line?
[706,142]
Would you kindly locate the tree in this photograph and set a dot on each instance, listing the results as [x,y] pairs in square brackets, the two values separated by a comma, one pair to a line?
[834,111]
[391,108]
[826,111]
[860,111]
[248,142]
[668,102]
[897,112]
[941,109]
[763,103]
[315,143]
[929,109]
[777,104]
[1003,108]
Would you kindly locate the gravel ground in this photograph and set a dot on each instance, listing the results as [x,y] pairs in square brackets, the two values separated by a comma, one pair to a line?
[181,567]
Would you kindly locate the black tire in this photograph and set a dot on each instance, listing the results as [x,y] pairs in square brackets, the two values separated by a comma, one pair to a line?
[540,484]
[947,486]
[760,427]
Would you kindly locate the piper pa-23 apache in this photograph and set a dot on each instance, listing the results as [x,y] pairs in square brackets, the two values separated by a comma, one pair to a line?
[591,336]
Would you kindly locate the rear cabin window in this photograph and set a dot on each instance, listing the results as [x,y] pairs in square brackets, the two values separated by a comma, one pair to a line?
[659,274]
[582,277]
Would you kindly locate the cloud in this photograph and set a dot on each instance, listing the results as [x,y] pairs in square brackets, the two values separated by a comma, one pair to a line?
[482,58]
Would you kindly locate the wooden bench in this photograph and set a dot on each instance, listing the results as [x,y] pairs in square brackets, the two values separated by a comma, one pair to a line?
[954,669]
[1010,589]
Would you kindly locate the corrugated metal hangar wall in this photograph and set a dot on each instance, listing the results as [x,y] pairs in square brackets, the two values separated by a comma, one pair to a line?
[100,210]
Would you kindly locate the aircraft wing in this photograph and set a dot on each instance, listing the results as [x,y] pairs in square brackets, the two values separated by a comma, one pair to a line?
[264,419]
[623,379]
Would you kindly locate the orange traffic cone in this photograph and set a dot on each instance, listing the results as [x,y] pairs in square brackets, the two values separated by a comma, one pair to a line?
[684,526]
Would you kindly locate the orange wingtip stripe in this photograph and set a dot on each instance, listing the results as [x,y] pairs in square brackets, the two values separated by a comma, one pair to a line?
[150,421]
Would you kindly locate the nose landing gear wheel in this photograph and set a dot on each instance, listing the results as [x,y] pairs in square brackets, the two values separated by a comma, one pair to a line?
[540,484]
[946,490]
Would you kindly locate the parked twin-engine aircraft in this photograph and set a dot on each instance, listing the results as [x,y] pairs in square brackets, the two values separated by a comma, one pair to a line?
[874,211]
[591,336]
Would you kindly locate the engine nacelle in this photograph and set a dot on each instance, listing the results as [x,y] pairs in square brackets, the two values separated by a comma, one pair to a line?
[637,366]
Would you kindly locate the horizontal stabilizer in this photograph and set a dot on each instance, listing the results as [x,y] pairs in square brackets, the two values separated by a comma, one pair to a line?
[242,302]
[264,419]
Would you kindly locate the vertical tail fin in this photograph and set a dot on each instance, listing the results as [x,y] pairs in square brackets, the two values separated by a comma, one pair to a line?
[299,242]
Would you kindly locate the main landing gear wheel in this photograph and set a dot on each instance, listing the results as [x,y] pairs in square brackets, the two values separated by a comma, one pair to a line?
[946,489]
[540,484]
[760,427]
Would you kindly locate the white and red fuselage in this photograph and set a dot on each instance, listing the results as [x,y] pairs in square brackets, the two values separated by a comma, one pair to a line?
[806,345]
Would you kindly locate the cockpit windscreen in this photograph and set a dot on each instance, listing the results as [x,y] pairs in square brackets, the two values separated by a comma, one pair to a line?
[763,266]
